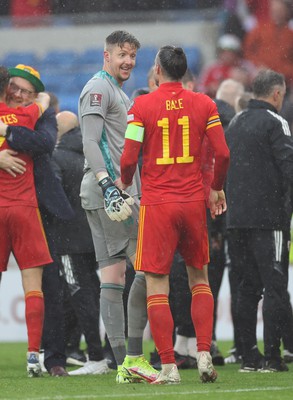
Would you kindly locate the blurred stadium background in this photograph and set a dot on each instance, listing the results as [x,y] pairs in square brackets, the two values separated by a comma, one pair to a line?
[64,39]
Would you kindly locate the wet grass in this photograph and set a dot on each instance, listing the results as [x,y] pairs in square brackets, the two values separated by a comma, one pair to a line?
[231,384]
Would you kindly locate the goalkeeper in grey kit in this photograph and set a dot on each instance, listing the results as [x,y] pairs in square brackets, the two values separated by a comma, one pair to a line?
[103,120]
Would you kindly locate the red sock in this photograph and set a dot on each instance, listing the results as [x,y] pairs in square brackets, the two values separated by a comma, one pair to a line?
[202,314]
[34,316]
[162,325]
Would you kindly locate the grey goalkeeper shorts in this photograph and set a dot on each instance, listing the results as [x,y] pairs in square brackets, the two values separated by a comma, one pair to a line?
[113,241]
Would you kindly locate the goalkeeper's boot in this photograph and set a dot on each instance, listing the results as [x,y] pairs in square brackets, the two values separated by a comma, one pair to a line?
[139,366]
[125,376]
[168,375]
[33,368]
[205,367]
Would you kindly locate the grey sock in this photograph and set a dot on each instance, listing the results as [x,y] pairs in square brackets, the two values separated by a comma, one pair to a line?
[137,315]
[113,317]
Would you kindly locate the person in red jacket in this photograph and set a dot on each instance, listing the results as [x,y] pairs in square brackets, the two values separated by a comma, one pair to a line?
[230,63]
[270,43]
[30,13]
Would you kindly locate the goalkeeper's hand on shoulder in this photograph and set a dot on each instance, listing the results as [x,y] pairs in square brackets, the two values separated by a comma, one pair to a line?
[116,201]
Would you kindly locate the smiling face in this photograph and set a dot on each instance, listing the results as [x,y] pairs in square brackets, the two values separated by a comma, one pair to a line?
[20,92]
[120,61]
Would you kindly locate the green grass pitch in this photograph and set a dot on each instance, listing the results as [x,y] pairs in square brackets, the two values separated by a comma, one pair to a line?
[230,385]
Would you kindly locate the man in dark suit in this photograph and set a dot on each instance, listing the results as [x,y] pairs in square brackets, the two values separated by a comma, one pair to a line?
[75,245]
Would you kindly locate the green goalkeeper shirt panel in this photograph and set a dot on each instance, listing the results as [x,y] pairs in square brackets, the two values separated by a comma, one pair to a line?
[103,97]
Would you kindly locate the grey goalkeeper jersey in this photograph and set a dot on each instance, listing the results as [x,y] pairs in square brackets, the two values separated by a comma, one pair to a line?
[103,97]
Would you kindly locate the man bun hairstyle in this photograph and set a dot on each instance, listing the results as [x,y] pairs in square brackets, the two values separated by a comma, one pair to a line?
[173,61]
[265,81]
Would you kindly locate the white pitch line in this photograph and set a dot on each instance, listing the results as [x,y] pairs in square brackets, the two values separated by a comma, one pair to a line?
[154,394]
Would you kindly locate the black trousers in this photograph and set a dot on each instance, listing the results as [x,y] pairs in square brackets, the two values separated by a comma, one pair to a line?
[180,297]
[234,282]
[216,270]
[53,341]
[260,258]
[83,287]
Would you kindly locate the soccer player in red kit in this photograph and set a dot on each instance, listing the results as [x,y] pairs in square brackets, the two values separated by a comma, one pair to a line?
[21,228]
[170,125]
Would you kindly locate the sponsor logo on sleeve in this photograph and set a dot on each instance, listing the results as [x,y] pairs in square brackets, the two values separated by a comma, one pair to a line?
[95,99]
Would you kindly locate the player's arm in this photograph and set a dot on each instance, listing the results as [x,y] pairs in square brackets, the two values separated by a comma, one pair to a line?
[116,201]
[217,199]
[8,160]
[43,101]
[133,140]
[41,140]
[216,136]
[92,129]
[93,114]
[10,163]
[207,166]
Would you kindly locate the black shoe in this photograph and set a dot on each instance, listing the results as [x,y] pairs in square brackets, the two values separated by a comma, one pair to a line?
[217,357]
[275,365]
[250,367]
[185,362]
[75,357]
[182,362]
[192,362]
[155,360]
[109,357]
[254,363]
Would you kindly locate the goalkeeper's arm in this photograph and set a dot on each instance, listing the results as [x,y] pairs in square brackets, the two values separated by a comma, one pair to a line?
[116,201]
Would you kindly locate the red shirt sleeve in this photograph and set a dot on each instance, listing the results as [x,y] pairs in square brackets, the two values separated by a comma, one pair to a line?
[207,165]
[216,138]
[222,156]
[129,160]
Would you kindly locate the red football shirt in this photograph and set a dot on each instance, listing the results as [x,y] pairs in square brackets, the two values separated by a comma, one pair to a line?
[21,189]
[172,124]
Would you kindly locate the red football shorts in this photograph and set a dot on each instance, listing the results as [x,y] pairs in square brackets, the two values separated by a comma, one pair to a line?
[22,233]
[166,227]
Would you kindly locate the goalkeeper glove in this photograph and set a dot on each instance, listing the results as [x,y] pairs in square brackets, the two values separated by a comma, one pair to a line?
[116,201]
